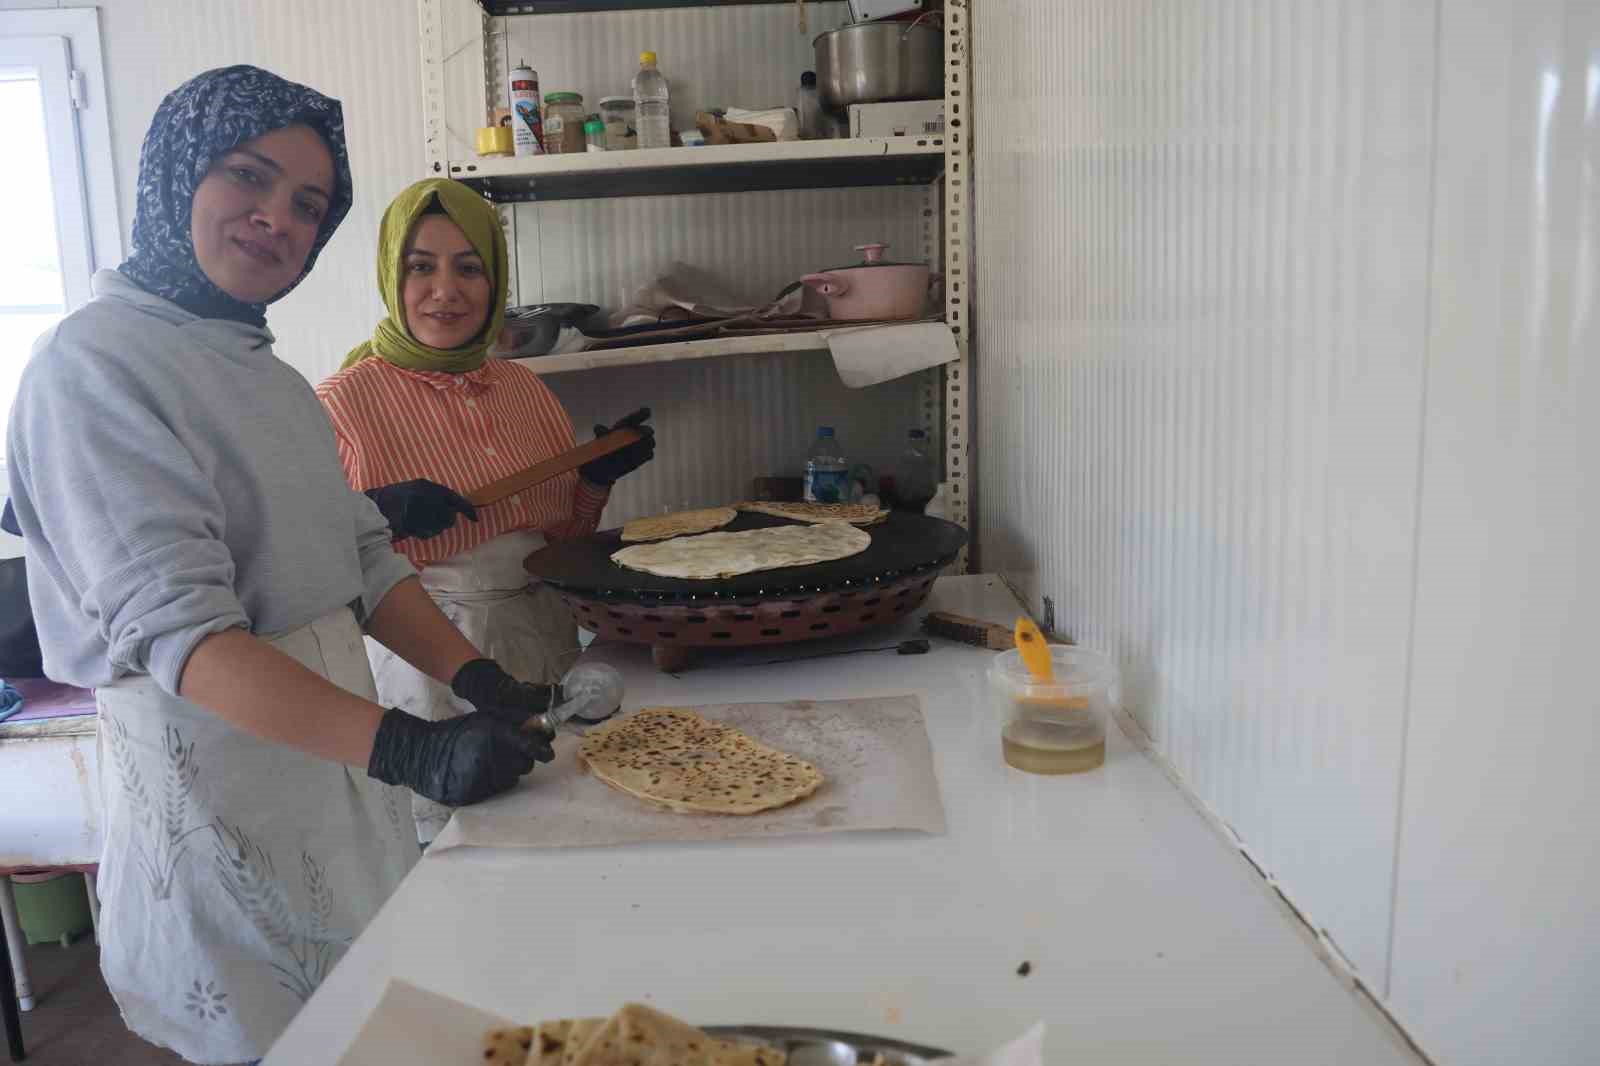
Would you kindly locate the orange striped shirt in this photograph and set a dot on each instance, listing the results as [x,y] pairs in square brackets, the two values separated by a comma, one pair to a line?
[464,431]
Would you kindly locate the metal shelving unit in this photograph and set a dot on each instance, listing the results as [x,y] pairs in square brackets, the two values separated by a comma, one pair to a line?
[571,7]
[940,166]
[678,352]
[712,169]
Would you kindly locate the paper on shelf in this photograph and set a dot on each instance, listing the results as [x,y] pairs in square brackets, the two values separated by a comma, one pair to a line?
[875,354]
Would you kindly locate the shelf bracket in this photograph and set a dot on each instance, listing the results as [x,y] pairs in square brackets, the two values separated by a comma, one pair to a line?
[957,287]
[430,36]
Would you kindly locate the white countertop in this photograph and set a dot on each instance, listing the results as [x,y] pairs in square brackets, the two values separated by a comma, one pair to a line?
[1151,940]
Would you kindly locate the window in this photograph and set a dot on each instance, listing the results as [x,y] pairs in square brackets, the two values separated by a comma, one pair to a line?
[57,202]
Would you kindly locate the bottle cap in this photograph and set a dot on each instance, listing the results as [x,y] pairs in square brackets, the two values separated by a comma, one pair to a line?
[824,431]
[647,59]
[594,125]
[809,78]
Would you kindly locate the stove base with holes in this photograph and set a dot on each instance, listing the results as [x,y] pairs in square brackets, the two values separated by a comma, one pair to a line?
[674,617]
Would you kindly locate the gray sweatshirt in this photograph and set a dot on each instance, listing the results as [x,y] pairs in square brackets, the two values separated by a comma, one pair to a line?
[173,479]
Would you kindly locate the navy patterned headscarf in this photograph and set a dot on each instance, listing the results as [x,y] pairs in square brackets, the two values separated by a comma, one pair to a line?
[199,121]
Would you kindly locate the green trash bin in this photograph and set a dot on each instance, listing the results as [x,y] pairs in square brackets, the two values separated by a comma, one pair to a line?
[52,907]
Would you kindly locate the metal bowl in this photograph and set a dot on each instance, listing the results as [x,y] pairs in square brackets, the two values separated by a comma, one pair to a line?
[825,1047]
[872,62]
[534,329]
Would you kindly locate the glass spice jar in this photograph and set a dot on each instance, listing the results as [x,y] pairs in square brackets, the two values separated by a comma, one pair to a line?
[563,123]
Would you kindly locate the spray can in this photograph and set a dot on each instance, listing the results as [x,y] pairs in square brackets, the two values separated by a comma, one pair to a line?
[527,129]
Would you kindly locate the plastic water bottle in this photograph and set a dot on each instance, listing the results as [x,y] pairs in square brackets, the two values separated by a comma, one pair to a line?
[652,111]
[808,107]
[913,476]
[827,473]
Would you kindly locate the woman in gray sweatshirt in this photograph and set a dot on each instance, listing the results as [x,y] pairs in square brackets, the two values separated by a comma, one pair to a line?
[195,554]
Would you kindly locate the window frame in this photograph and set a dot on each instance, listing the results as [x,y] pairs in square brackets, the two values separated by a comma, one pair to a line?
[80,27]
[91,134]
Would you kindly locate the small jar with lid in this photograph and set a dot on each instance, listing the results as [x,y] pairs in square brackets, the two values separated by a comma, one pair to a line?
[594,134]
[563,123]
[618,112]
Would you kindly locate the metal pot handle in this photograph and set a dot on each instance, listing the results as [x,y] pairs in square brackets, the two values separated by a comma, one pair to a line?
[829,285]
[913,23]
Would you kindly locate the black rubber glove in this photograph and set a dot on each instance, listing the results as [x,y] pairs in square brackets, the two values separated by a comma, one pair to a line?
[457,761]
[420,508]
[608,468]
[491,690]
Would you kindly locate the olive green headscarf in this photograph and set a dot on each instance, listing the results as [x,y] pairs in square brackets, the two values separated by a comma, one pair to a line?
[392,341]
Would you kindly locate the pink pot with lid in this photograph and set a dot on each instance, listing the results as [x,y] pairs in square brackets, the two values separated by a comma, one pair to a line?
[875,289]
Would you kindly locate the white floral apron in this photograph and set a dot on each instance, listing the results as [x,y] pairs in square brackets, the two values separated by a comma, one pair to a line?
[518,622]
[236,871]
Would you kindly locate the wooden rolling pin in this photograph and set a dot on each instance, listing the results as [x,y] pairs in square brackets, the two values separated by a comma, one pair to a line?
[496,491]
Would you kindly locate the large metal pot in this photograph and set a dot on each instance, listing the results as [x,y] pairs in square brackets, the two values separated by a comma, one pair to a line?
[871,62]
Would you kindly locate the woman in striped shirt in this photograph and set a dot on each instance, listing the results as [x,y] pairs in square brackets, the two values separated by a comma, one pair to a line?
[420,407]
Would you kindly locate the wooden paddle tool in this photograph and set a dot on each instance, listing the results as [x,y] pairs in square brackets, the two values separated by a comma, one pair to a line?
[619,438]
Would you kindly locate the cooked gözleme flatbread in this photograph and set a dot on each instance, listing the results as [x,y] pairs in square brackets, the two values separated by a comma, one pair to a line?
[634,1036]
[638,1036]
[858,514]
[716,555]
[677,524]
[684,762]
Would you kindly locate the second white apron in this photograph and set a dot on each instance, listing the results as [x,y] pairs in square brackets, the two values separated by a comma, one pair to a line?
[520,624]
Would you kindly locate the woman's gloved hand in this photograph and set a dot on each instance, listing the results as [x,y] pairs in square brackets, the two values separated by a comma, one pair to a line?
[607,469]
[457,761]
[491,690]
[420,508]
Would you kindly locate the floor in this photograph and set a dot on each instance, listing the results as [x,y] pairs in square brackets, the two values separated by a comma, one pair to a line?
[75,1022]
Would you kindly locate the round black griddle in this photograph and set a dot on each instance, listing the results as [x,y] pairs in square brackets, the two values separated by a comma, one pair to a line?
[902,545]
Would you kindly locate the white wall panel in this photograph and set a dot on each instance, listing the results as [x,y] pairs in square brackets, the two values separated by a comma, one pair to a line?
[601,251]
[1497,929]
[1202,275]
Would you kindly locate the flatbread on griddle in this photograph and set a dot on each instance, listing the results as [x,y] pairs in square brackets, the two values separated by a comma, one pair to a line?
[717,555]
[857,514]
[676,759]
[638,1036]
[678,524]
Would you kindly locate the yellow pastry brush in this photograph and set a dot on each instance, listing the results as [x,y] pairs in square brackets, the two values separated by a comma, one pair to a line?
[1034,651]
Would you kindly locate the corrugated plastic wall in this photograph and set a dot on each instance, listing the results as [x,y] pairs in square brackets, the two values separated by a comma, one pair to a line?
[1200,345]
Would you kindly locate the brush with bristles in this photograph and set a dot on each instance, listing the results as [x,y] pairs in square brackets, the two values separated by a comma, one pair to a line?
[959,627]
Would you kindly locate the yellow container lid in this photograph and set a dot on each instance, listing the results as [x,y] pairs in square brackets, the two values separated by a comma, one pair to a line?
[647,58]
[495,140]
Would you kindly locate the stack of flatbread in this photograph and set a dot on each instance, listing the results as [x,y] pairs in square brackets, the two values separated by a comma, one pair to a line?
[857,514]
[678,524]
[634,1036]
[677,759]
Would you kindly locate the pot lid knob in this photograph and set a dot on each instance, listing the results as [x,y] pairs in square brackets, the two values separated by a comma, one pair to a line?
[873,253]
